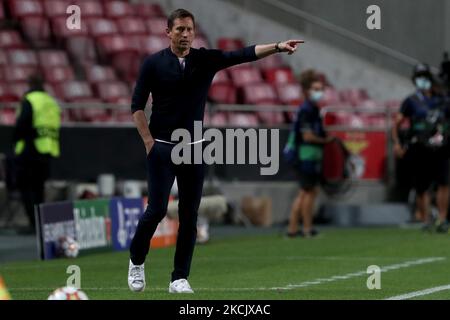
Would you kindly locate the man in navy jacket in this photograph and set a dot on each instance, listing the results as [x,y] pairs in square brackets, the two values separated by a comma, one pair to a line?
[178,78]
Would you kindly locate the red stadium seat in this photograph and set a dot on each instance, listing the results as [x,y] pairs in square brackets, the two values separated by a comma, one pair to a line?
[122,116]
[96,115]
[89,114]
[371,104]
[219,119]
[243,119]
[8,116]
[290,93]
[18,73]
[148,10]
[6,95]
[49,89]
[242,76]
[60,30]
[74,91]
[279,75]
[111,92]
[221,77]
[56,74]
[3,58]
[331,97]
[22,57]
[97,73]
[99,27]
[393,105]
[127,65]
[118,43]
[374,120]
[53,58]
[37,30]
[19,88]
[10,39]
[82,48]
[229,44]
[25,8]
[273,61]
[118,9]
[152,44]
[223,93]
[353,97]
[271,118]
[124,54]
[261,93]
[56,8]
[131,25]
[90,8]
[157,26]
[200,42]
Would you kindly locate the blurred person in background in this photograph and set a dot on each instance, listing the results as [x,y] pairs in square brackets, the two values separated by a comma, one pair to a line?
[36,142]
[307,139]
[424,148]
[179,78]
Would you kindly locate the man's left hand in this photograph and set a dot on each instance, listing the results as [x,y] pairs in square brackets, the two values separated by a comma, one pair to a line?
[289,46]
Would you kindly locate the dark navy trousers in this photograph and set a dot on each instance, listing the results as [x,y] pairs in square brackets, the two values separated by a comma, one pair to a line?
[161,175]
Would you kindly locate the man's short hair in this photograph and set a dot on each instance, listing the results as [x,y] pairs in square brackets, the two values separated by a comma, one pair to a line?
[179,14]
[35,81]
[307,78]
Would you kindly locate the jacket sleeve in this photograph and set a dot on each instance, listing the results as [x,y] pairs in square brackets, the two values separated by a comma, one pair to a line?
[224,59]
[143,87]
[24,122]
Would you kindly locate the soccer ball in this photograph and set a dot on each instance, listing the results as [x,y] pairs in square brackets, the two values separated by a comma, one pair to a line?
[67,247]
[68,293]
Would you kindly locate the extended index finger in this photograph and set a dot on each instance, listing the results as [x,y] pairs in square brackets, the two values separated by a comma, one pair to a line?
[297,41]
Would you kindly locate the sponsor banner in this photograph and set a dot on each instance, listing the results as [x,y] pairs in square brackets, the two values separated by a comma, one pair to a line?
[370,148]
[166,233]
[92,223]
[55,220]
[125,214]
[98,223]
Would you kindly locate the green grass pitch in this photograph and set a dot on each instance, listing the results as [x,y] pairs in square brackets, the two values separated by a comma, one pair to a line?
[261,266]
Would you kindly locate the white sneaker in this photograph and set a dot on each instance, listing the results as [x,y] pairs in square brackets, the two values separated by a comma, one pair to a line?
[180,286]
[136,277]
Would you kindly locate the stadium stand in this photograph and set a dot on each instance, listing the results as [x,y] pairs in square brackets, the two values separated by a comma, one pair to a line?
[84,65]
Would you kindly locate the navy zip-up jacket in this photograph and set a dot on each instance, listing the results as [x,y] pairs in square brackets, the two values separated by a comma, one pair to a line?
[179,96]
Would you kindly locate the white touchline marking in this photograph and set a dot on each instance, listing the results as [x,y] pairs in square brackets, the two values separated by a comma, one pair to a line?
[419,293]
[288,287]
[81,263]
[360,273]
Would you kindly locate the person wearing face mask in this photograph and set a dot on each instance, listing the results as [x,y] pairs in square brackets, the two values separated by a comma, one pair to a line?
[422,150]
[308,139]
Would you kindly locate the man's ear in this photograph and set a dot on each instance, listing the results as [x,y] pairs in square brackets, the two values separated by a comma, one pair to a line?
[168,32]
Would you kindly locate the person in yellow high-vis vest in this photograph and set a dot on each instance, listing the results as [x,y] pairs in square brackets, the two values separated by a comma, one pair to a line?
[36,142]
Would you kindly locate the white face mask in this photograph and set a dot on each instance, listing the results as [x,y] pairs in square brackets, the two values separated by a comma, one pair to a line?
[316,95]
[423,83]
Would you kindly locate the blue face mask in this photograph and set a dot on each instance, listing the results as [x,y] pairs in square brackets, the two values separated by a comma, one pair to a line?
[316,95]
[423,83]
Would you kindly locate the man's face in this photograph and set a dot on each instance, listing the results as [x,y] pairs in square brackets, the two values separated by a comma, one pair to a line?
[182,33]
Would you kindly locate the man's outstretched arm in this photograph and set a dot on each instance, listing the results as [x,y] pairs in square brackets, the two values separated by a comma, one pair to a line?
[289,46]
